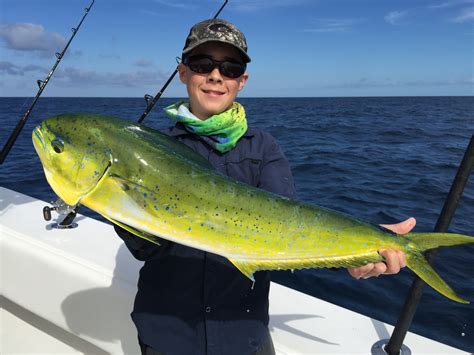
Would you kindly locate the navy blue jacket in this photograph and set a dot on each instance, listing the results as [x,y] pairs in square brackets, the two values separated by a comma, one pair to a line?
[193,302]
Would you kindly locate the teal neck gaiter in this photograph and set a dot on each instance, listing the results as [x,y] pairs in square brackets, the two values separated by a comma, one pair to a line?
[221,131]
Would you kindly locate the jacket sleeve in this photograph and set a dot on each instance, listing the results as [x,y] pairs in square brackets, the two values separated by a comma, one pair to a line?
[275,171]
[140,248]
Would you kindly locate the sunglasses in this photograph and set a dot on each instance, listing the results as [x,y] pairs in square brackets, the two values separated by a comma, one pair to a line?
[204,65]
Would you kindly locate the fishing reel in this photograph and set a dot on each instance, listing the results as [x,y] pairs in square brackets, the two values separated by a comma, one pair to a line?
[63,209]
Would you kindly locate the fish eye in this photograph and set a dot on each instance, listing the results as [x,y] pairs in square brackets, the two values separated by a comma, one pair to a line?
[58,145]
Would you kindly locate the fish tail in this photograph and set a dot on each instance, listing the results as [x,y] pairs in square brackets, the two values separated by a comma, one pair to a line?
[419,242]
[425,241]
[419,265]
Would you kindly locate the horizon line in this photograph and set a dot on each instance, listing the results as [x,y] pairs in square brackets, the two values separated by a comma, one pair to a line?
[241,97]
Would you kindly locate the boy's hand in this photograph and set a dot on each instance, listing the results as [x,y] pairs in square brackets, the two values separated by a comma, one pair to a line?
[394,259]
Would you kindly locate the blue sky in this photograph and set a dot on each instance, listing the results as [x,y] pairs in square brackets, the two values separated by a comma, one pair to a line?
[319,48]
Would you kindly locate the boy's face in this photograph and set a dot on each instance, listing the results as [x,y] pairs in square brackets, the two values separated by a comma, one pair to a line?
[212,93]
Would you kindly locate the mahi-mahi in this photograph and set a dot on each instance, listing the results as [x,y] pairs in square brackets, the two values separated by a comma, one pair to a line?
[154,186]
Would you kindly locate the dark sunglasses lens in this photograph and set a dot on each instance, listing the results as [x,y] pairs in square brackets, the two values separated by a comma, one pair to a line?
[201,65]
[232,69]
[206,65]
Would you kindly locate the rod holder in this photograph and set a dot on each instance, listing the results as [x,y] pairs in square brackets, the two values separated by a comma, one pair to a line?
[379,348]
[66,213]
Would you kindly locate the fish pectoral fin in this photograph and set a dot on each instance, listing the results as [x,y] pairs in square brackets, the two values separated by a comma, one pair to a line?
[245,267]
[128,185]
[418,264]
[147,236]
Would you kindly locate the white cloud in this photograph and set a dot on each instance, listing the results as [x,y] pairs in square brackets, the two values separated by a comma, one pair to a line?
[177,5]
[8,68]
[149,12]
[144,63]
[332,25]
[452,3]
[88,78]
[109,56]
[388,82]
[395,16]
[234,5]
[31,37]
[258,5]
[465,16]
[447,7]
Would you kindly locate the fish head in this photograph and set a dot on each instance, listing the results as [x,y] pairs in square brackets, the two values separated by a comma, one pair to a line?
[73,153]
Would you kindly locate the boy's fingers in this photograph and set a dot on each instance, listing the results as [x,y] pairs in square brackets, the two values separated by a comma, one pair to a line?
[394,261]
[402,258]
[402,227]
[378,269]
[361,271]
[391,260]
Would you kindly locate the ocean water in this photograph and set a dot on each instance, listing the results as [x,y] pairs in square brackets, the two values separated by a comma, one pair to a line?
[379,159]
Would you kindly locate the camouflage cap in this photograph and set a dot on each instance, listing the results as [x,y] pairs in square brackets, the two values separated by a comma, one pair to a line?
[216,30]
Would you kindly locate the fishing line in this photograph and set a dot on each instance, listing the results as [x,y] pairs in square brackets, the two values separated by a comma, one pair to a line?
[41,86]
[150,100]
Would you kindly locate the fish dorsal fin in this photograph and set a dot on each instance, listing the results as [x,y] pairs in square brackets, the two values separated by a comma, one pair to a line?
[171,144]
[138,233]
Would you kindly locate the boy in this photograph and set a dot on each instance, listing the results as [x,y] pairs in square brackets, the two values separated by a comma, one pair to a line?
[190,301]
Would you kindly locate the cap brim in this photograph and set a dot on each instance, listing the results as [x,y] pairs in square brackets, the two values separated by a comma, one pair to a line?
[245,56]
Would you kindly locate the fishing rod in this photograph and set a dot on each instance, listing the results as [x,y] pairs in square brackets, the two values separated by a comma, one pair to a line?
[150,100]
[450,204]
[41,85]
[395,343]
